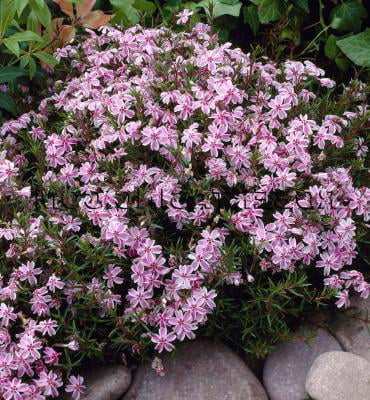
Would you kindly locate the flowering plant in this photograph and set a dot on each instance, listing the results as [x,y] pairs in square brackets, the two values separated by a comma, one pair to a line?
[220,152]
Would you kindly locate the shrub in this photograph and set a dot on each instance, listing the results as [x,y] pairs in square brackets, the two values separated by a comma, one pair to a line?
[178,166]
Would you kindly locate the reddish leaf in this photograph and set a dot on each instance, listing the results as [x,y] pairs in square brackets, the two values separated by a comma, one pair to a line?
[56,24]
[66,7]
[96,19]
[84,8]
[67,33]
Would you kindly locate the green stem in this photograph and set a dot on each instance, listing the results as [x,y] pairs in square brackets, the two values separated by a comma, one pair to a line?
[313,41]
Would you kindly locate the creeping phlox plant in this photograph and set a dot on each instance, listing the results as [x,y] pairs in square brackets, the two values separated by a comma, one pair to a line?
[164,150]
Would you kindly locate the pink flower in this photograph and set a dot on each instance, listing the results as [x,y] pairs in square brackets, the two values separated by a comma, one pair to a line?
[88,172]
[68,173]
[28,272]
[282,256]
[279,107]
[182,325]
[51,356]
[117,231]
[148,250]
[195,306]
[120,109]
[183,16]
[206,297]
[139,297]
[111,276]
[227,92]
[49,382]
[151,137]
[14,389]
[210,60]
[75,386]
[286,178]
[7,171]
[210,240]
[47,327]
[6,314]
[191,136]
[54,156]
[163,340]
[30,346]
[54,283]
[200,259]
[343,299]
[329,261]
[183,276]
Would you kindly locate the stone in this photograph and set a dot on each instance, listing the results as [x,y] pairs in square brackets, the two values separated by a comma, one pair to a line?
[352,328]
[338,375]
[199,370]
[286,367]
[105,382]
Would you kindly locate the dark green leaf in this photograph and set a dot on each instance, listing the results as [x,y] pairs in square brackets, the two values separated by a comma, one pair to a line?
[32,67]
[12,45]
[46,58]
[251,17]
[230,2]
[223,34]
[145,6]
[357,48]
[302,4]
[291,35]
[7,103]
[270,10]
[24,60]
[41,11]
[330,48]
[20,5]
[219,8]
[27,36]
[348,16]
[342,63]
[8,74]
[125,12]
[173,3]
[32,22]
[7,13]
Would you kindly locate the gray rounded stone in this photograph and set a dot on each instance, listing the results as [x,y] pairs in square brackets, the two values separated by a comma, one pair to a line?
[199,370]
[338,375]
[352,328]
[105,382]
[286,367]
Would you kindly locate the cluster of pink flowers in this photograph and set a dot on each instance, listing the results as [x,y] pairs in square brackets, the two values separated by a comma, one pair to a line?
[211,139]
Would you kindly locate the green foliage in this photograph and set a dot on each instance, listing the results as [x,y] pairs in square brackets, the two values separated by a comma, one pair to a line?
[270,10]
[7,103]
[254,318]
[127,12]
[8,74]
[219,8]
[283,21]
[357,48]
[348,16]
[302,4]
[25,35]
[251,17]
